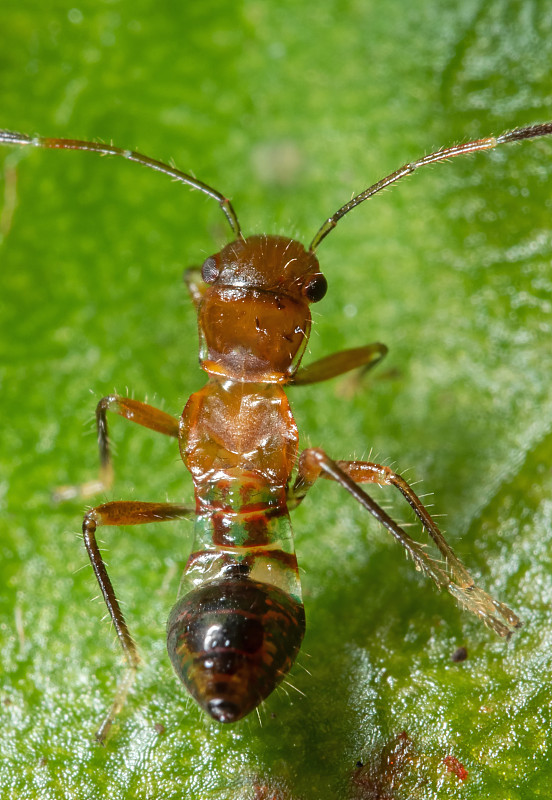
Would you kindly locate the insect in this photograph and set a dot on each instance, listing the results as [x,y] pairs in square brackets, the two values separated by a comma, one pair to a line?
[235,631]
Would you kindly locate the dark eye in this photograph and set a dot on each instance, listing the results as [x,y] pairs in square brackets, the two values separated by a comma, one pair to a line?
[316,288]
[209,270]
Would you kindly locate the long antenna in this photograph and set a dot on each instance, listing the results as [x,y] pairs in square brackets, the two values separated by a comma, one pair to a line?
[489,143]
[10,137]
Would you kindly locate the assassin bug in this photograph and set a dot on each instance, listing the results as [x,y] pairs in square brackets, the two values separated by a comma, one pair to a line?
[238,625]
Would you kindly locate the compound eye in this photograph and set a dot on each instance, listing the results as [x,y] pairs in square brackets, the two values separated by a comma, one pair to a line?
[316,288]
[209,270]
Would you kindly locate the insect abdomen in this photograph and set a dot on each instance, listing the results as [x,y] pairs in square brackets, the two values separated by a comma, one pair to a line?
[231,641]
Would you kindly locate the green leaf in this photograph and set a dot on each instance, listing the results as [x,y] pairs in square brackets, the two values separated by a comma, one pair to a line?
[287,108]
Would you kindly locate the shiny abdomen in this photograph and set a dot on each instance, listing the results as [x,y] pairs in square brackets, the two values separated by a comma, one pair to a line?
[235,632]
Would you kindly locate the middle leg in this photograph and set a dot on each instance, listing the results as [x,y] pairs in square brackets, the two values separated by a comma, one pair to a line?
[133,410]
[315,463]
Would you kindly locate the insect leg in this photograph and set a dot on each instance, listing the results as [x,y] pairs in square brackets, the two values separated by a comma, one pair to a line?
[133,410]
[314,463]
[122,513]
[195,284]
[339,363]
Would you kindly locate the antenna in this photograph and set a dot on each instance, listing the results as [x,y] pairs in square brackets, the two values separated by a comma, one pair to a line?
[10,137]
[489,143]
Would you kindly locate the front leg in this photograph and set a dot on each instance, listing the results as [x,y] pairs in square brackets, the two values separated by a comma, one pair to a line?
[314,463]
[122,513]
[363,358]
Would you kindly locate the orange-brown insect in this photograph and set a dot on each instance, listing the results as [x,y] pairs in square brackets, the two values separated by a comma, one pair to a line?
[236,630]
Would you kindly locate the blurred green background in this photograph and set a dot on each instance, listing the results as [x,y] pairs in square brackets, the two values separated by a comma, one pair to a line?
[289,108]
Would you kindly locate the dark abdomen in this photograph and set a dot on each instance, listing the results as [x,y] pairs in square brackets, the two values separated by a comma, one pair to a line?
[231,641]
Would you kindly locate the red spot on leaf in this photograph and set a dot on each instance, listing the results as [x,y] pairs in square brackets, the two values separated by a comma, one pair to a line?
[456,767]
[387,771]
